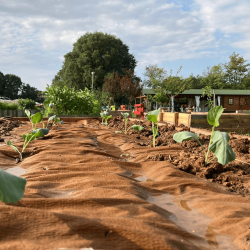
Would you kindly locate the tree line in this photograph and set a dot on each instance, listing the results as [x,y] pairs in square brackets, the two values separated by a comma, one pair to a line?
[11,86]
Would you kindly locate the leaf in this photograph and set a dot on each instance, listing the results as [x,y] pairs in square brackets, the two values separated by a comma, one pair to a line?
[155,112]
[125,115]
[221,148]
[51,118]
[118,132]
[152,115]
[11,187]
[27,112]
[214,115]
[36,118]
[13,146]
[57,119]
[185,136]
[137,127]
[40,132]
[107,117]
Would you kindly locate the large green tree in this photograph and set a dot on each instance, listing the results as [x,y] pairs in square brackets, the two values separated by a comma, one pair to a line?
[94,52]
[30,92]
[236,70]
[12,86]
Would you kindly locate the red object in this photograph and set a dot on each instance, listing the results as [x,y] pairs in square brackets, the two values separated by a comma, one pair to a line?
[139,110]
[123,107]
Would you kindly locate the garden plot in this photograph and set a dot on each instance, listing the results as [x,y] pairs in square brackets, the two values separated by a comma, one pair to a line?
[88,186]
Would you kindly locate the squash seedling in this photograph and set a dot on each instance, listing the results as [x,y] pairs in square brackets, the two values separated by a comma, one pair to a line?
[135,127]
[28,138]
[152,117]
[106,119]
[218,143]
[125,115]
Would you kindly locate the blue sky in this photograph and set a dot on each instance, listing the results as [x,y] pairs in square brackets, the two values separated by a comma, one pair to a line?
[35,35]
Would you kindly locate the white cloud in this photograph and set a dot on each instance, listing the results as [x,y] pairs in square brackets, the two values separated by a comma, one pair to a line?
[35,36]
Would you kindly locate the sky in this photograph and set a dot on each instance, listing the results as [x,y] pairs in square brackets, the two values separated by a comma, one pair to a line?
[194,34]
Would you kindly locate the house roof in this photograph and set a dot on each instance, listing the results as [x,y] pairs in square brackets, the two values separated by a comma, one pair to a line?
[200,92]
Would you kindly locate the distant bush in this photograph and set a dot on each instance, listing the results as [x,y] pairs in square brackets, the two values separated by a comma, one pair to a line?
[26,104]
[8,106]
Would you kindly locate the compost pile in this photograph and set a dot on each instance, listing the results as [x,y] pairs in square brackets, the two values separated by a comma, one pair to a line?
[7,125]
[89,187]
[234,176]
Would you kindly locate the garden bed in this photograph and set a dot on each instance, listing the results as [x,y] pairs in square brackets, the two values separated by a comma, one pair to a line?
[88,186]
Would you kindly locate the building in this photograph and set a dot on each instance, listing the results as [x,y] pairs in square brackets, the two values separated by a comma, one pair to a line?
[229,99]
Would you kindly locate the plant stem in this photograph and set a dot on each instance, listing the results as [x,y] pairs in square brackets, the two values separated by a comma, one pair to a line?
[208,150]
[126,120]
[211,159]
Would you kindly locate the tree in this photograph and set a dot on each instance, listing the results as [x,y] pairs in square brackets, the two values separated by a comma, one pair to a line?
[236,69]
[112,85]
[29,92]
[94,52]
[154,76]
[12,86]
[2,84]
[214,77]
[130,86]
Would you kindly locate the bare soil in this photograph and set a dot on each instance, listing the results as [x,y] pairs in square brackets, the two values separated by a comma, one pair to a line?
[89,187]
[235,176]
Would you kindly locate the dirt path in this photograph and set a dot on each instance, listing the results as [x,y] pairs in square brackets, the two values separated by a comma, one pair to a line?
[88,186]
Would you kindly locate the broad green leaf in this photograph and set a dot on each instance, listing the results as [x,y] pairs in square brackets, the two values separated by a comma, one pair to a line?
[221,148]
[40,132]
[107,117]
[214,115]
[11,187]
[125,115]
[155,112]
[27,112]
[57,119]
[51,118]
[36,118]
[152,115]
[152,118]
[137,127]
[185,136]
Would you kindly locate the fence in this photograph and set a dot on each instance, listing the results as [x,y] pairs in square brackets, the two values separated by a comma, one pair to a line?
[237,122]
[16,113]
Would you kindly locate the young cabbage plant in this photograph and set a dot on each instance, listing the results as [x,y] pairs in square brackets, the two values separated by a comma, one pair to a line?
[11,187]
[152,117]
[135,127]
[34,119]
[125,115]
[218,143]
[28,138]
[106,119]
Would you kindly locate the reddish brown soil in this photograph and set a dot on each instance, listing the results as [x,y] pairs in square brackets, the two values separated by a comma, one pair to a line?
[235,176]
[81,192]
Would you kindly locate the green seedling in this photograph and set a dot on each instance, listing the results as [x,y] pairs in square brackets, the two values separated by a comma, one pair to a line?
[106,119]
[218,143]
[135,127]
[34,119]
[152,117]
[11,187]
[125,115]
[102,114]
[28,138]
